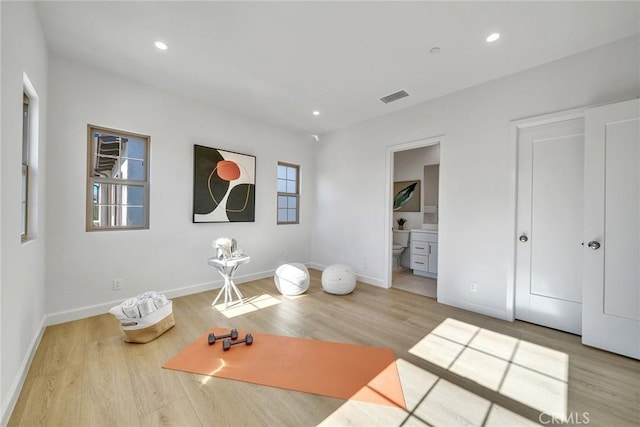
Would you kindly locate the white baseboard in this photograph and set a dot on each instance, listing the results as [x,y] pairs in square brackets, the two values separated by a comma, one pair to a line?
[371,281]
[96,309]
[13,393]
[476,308]
[101,308]
[315,266]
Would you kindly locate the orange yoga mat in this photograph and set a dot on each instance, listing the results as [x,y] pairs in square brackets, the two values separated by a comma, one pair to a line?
[344,371]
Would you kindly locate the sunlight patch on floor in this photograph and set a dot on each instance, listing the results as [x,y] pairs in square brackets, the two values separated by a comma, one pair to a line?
[501,417]
[416,382]
[204,379]
[440,351]
[430,401]
[538,391]
[251,304]
[534,375]
[493,369]
[356,413]
[449,405]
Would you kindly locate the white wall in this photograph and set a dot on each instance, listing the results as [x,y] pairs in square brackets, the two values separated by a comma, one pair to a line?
[476,234]
[172,254]
[2,393]
[22,278]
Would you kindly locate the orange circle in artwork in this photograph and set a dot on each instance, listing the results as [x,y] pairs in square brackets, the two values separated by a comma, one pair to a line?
[228,170]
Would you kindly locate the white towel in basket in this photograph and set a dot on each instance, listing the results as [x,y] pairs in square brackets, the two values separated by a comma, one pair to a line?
[140,306]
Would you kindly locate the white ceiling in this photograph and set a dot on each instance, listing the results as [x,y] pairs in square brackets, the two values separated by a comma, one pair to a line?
[279,61]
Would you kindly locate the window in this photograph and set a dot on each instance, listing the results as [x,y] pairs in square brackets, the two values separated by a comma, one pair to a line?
[26,138]
[288,193]
[118,180]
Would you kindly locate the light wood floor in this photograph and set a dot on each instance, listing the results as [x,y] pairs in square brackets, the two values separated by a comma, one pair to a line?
[404,279]
[84,375]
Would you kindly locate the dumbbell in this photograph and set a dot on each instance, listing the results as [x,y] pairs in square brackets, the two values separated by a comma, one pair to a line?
[226,344]
[233,335]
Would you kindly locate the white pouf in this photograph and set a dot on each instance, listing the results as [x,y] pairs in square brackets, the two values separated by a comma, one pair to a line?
[338,279]
[292,279]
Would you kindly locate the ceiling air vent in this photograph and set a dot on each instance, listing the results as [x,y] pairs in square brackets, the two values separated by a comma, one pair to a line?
[394,96]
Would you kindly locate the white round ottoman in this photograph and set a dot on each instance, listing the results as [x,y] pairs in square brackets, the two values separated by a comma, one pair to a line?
[338,279]
[292,279]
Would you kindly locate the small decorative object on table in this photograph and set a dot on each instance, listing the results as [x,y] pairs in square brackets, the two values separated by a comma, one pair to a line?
[338,279]
[225,247]
[401,222]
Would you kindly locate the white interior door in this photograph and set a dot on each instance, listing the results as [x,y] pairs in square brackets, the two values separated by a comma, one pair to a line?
[611,318]
[550,225]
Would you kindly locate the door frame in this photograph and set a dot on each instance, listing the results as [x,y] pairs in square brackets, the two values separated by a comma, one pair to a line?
[388,212]
[514,129]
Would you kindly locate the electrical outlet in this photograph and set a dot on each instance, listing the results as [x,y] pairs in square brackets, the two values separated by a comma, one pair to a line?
[473,286]
[117,284]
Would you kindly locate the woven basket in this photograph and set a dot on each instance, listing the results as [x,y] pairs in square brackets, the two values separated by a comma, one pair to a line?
[149,327]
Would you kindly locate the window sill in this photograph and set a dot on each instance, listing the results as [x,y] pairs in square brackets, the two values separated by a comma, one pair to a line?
[27,240]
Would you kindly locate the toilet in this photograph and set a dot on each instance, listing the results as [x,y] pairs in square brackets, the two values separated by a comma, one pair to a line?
[400,243]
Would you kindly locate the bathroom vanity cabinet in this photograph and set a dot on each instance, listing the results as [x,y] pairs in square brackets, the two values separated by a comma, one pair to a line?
[424,253]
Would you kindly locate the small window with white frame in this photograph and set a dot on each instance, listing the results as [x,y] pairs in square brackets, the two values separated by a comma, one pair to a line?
[118,180]
[26,142]
[288,193]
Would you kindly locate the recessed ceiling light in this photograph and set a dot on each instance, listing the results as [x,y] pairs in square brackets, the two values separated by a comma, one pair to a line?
[161,45]
[316,113]
[493,37]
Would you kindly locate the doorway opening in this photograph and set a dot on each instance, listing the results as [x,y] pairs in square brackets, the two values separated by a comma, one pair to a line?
[413,215]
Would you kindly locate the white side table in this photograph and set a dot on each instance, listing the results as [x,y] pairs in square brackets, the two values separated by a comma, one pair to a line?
[227,268]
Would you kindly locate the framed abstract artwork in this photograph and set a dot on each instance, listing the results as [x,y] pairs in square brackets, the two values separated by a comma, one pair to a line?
[406,196]
[223,186]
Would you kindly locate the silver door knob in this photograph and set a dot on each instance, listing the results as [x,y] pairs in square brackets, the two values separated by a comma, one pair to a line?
[523,238]
[594,245]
